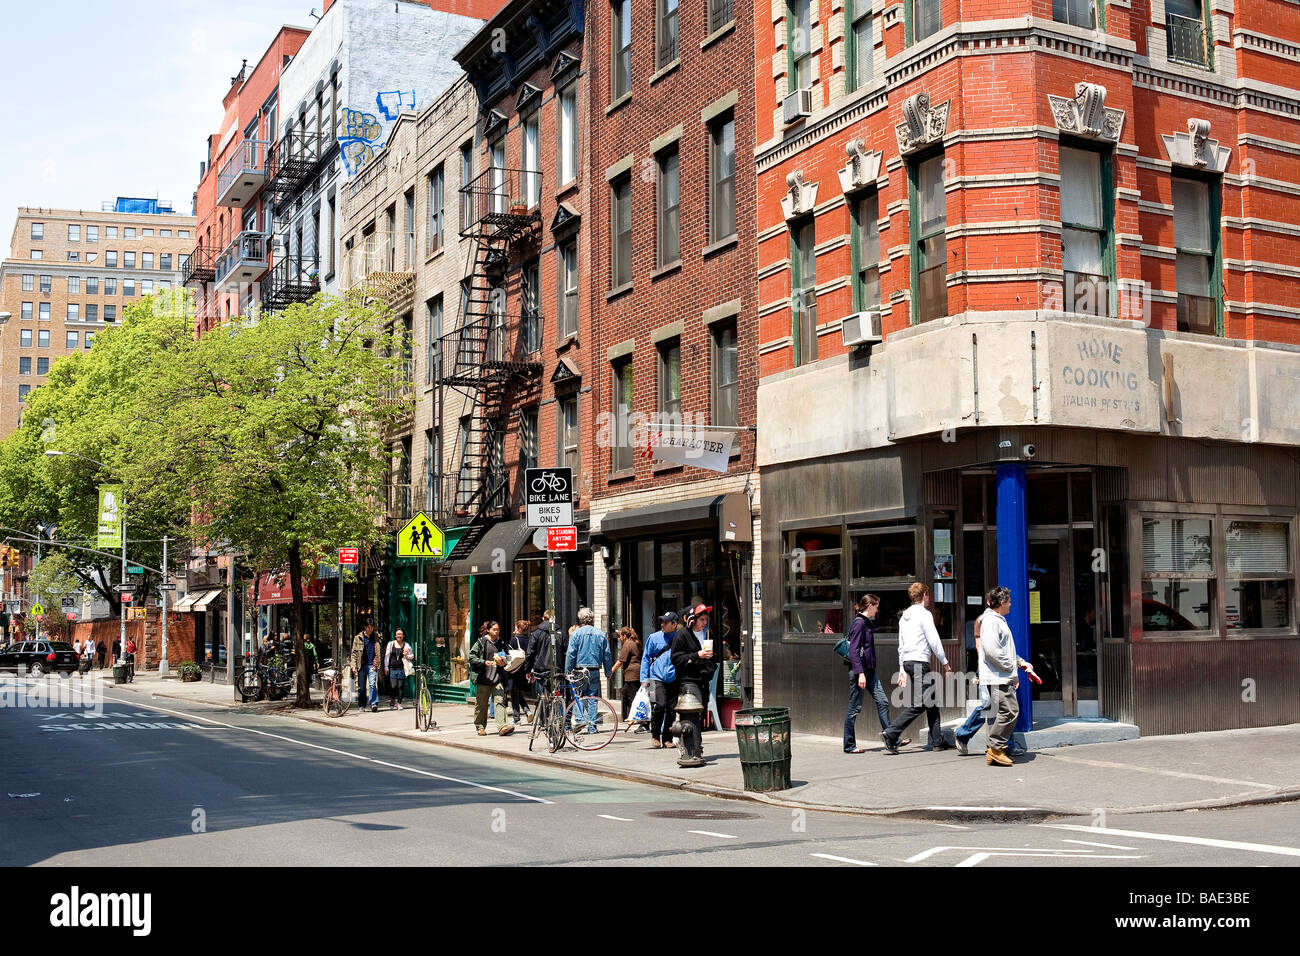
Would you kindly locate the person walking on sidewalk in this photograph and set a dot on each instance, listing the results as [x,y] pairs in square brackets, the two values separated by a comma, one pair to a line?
[519,641]
[629,659]
[366,660]
[693,661]
[862,673]
[101,650]
[538,664]
[487,661]
[396,655]
[917,640]
[657,670]
[999,664]
[588,652]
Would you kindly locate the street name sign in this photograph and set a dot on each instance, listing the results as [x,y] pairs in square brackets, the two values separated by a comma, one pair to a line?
[549,497]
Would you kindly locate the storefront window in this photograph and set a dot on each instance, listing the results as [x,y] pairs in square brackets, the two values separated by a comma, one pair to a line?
[1178,583]
[1259,574]
[814,598]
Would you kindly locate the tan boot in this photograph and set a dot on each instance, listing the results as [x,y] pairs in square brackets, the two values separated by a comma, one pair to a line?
[997,757]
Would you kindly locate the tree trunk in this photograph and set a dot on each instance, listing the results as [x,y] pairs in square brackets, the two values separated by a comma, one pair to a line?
[299,645]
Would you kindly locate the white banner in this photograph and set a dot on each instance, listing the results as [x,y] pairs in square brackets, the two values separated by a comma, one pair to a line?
[698,447]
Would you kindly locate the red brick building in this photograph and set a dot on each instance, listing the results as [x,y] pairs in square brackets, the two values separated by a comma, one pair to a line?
[1027,288]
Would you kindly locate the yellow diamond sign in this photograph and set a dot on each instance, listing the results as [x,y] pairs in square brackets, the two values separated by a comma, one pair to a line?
[420,538]
[38,610]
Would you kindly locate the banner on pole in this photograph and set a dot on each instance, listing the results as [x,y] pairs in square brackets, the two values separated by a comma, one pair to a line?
[110,516]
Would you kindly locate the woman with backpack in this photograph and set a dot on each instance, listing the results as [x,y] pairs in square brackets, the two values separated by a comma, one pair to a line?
[861,662]
[517,653]
[396,655]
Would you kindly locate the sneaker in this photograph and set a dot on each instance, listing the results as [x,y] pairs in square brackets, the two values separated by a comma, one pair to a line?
[904,742]
[889,748]
[482,732]
[856,750]
[997,757]
[374,709]
[962,744]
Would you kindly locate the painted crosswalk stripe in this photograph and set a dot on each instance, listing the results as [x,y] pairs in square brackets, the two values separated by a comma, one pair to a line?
[720,836]
[1108,846]
[1173,838]
[843,859]
[606,816]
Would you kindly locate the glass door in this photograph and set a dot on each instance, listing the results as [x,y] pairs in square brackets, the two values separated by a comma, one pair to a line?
[1051,625]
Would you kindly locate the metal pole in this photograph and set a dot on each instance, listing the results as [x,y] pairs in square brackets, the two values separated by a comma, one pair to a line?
[338,626]
[167,579]
[38,561]
[550,604]
[121,600]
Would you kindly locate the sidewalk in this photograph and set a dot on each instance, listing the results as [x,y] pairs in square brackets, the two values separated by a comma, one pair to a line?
[1188,771]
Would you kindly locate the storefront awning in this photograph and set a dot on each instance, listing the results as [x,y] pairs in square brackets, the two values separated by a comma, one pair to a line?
[508,536]
[272,590]
[198,601]
[187,602]
[679,516]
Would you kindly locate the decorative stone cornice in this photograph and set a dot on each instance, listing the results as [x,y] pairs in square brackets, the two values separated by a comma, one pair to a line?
[800,198]
[921,125]
[1087,114]
[863,168]
[1195,148]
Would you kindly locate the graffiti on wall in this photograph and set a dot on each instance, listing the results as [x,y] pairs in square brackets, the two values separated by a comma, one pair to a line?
[360,133]
[391,103]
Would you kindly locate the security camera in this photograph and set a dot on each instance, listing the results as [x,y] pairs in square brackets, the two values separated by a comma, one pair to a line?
[1029,450]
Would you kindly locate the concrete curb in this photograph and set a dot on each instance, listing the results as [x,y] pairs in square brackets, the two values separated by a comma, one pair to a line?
[937,814]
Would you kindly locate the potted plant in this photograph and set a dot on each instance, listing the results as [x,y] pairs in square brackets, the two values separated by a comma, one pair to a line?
[189,671]
[518,207]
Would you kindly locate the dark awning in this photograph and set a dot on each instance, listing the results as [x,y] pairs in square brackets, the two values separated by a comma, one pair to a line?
[508,536]
[667,517]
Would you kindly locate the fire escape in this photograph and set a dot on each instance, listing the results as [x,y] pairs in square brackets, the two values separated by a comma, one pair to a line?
[486,358]
[291,165]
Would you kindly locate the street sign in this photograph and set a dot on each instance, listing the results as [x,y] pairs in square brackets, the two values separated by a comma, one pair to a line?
[539,539]
[549,497]
[166,587]
[13,607]
[69,602]
[421,591]
[350,556]
[38,610]
[562,539]
[70,615]
[126,597]
[134,569]
[420,538]
[125,588]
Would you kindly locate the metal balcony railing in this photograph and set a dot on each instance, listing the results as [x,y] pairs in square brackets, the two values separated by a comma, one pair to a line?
[1185,40]
[399,503]
[243,174]
[503,200]
[244,260]
[489,349]
[199,265]
[291,279]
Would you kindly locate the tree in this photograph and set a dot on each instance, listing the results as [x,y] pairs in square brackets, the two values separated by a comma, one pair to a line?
[51,580]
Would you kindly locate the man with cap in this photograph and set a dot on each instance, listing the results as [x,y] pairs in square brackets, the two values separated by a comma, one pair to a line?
[692,656]
[661,680]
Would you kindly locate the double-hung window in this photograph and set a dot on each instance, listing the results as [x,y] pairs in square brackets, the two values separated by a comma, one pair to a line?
[74,285]
[621,447]
[803,290]
[668,202]
[26,310]
[567,164]
[46,282]
[532,160]
[670,381]
[865,250]
[726,376]
[722,179]
[408,233]
[568,434]
[110,259]
[433,224]
[1196,240]
[44,311]
[1187,40]
[568,288]
[799,42]
[720,14]
[620,49]
[929,246]
[128,260]
[432,332]
[1077,13]
[29,281]
[531,292]
[466,177]
[620,224]
[858,44]
[74,233]
[924,18]
[666,33]
[1085,231]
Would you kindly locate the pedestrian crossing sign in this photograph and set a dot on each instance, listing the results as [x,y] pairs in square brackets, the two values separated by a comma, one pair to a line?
[420,538]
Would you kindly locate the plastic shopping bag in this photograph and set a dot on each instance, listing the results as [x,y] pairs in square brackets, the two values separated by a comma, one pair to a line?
[640,711]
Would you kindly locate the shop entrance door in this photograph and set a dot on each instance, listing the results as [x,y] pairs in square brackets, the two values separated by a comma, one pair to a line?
[1051,624]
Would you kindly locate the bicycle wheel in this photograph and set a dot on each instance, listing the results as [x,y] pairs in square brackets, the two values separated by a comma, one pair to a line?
[423,707]
[540,714]
[586,733]
[556,722]
[335,703]
[250,685]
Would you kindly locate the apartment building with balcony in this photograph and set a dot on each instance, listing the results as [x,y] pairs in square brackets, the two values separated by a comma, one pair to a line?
[1029,316]
[72,272]
[674,332]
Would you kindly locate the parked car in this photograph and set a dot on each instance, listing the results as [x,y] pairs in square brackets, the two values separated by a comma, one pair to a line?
[39,657]
[1157,616]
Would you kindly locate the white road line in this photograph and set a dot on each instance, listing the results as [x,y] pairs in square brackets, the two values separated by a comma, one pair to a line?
[979,858]
[1108,846]
[1172,838]
[720,836]
[926,854]
[341,753]
[952,826]
[842,859]
[606,816]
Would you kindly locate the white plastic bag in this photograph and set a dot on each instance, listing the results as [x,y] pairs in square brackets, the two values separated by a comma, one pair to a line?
[640,711]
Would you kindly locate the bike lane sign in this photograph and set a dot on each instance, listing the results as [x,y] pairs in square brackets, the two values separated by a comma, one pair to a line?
[549,497]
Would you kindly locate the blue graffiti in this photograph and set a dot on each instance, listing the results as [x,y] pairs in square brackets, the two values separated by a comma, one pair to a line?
[358,139]
[392,102]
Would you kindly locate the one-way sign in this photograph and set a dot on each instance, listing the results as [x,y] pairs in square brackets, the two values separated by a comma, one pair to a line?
[549,496]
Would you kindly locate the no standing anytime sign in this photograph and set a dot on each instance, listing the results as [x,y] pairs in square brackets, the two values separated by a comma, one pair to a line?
[549,494]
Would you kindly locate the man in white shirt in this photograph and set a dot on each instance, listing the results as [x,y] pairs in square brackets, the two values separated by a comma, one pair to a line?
[998,671]
[917,640]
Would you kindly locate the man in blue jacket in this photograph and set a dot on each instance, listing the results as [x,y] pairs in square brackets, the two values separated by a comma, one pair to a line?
[658,674]
[588,648]
[862,673]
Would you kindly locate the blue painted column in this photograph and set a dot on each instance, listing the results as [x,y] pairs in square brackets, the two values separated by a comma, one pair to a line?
[1013,570]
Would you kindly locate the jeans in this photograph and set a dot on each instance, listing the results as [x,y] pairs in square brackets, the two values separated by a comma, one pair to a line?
[977,716]
[518,703]
[368,688]
[856,695]
[923,697]
[586,711]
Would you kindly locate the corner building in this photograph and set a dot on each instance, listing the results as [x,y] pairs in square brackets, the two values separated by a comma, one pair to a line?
[1029,316]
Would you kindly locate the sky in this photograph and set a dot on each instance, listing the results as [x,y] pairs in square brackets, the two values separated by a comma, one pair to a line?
[108,98]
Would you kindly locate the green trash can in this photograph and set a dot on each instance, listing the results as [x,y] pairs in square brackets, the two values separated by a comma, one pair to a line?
[764,737]
[119,673]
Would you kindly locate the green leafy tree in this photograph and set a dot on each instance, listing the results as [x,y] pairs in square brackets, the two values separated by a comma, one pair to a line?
[51,580]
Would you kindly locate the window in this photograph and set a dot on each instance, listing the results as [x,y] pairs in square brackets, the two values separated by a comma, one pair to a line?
[567,432]
[110,286]
[327,244]
[799,43]
[433,224]
[128,232]
[128,288]
[110,232]
[670,381]
[803,291]
[568,306]
[858,44]
[74,233]
[532,161]
[92,234]
[1077,13]
[1196,240]
[45,284]
[1259,574]
[1186,37]
[74,312]
[165,261]
[528,440]
[146,260]
[71,340]
[666,33]
[92,312]
[621,400]
[719,14]
[163,285]
[183,233]
[1085,237]
[38,230]
[25,365]
[92,285]
[432,332]
[23,391]
[29,281]
[43,339]
[929,247]
[92,256]
[722,180]
[865,251]
[128,260]
[146,287]
[90,339]
[164,233]
[74,285]
[74,256]
[1178,583]
[431,463]
[620,224]
[882,561]
[567,161]
[110,259]
[43,365]
[726,377]
[620,49]
[146,232]
[36,254]
[44,311]
[26,312]
[814,600]
[531,293]
[466,177]
[924,18]
[110,313]
[497,164]
[25,338]
[408,233]
[668,212]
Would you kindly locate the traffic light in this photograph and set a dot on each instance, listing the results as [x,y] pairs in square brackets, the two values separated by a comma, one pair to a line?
[13,557]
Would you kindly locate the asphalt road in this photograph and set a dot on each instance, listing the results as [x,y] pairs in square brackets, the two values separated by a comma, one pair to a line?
[191,785]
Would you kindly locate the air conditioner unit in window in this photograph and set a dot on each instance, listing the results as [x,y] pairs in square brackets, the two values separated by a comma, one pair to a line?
[861,328]
[796,106]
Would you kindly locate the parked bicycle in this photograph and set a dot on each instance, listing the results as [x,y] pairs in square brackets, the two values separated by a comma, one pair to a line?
[270,675]
[549,716]
[424,676]
[591,721]
[335,701]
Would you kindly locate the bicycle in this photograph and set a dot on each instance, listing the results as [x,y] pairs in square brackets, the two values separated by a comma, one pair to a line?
[335,702]
[549,716]
[591,721]
[424,675]
[551,482]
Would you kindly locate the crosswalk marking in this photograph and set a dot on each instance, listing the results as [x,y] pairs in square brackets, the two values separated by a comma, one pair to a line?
[1173,838]
[842,859]
[720,836]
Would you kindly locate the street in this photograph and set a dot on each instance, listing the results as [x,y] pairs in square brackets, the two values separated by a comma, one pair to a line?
[173,783]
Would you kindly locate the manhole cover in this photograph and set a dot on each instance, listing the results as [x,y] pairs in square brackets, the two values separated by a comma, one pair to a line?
[703,815]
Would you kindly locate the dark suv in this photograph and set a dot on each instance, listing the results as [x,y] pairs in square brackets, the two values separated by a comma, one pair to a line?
[39,657]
